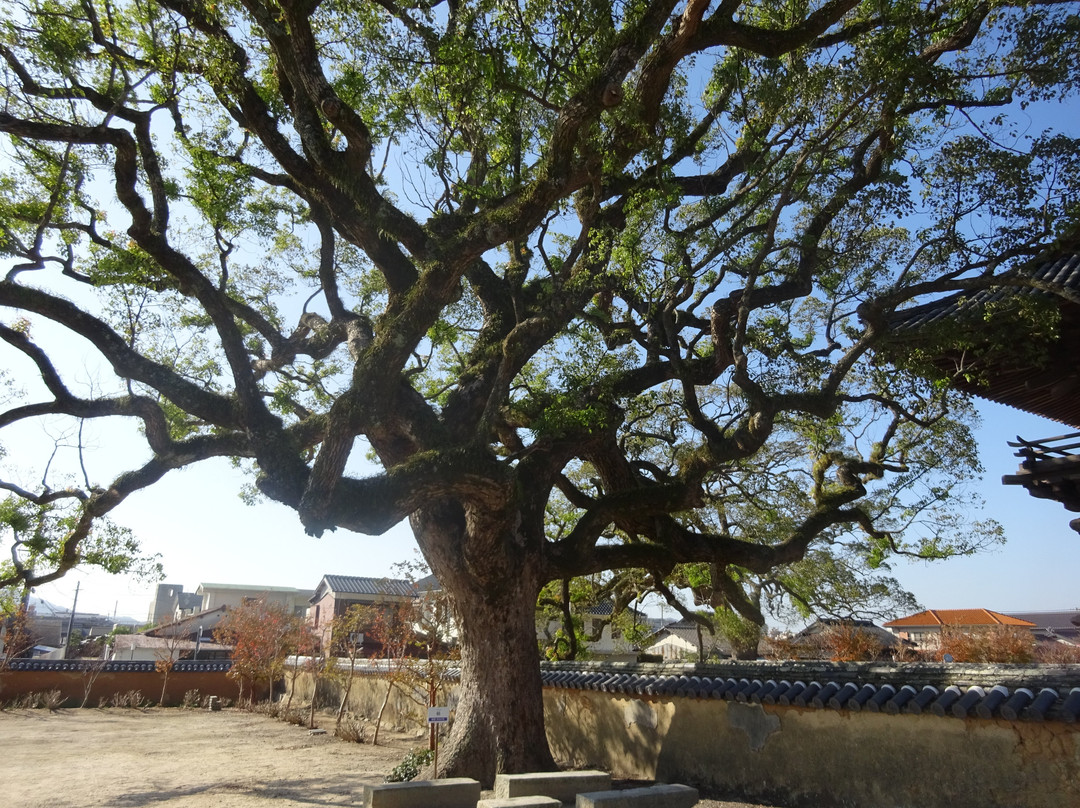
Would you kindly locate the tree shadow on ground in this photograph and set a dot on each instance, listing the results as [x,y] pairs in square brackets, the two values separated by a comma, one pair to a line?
[336,790]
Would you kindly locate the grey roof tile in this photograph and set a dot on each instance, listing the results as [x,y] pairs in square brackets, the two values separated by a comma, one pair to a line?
[355,585]
[837,688]
[1062,272]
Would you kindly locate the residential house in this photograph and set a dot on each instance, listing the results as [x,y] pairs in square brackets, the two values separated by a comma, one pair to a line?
[142,647]
[924,628]
[49,624]
[684,639]
[199,626]
[605,637]
[190,637]
[611,643]
[172,602]
[336,593]
[1053,627]
[212,596]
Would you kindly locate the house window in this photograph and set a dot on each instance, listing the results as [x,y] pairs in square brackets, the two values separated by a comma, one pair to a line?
[317,610]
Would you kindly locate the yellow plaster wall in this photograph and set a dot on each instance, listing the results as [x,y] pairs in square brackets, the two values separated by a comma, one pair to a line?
[819,758]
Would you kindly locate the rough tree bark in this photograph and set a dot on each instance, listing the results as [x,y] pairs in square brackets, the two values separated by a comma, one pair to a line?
[499,720]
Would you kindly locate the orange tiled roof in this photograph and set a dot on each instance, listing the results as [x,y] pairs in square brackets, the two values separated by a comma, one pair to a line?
[959,617]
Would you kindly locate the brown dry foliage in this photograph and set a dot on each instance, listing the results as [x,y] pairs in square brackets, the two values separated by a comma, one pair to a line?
[1010,644]
[1057,653]
[780,648]
[839,643]
[848,643]
[17,639]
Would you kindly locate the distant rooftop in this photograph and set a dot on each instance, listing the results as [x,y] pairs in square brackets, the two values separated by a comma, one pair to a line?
[356,585]
[253,588]
[958,617]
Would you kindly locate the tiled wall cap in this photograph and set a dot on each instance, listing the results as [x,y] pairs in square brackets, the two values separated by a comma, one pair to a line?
[764,691]
[840,699]
[746,693]
[924,697]
[994,698]
[769,697]
[721,688]
[707,685]
[792,693]
[945,701]
[966,702]
[821,698]
[905,694]
[843,692]
[807,695]
[1071,708]
[1043,702]
[732,693]
[856,702]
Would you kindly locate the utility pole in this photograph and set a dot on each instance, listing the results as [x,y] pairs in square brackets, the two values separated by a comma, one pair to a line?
[71,621]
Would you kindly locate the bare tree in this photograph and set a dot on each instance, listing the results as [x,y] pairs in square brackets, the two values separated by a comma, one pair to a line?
[347,634]
[173,640]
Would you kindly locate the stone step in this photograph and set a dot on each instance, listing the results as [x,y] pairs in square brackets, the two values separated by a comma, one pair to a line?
[451,792]
[658,796]
[530,801]
[563,786]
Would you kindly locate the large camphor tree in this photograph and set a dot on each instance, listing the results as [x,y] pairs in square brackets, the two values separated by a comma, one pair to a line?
[597,285]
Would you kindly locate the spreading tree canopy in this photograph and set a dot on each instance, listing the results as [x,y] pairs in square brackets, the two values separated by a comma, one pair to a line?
[597,285]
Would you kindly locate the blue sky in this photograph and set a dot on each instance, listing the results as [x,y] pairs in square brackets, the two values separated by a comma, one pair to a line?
[1037,568]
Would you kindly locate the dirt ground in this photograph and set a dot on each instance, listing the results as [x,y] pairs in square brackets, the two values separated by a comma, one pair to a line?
[229,759]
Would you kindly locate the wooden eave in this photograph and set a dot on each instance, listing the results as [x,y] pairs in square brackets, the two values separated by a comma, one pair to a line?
[1051,390]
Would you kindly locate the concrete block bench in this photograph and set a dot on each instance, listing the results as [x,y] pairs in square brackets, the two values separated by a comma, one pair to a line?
[563,786]
[658,796]
[531,801]
[452,792]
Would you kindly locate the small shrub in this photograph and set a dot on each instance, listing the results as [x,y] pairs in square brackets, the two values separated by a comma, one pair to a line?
[191,700]
[53,700]
[410,766]
[270,708]
[132,699]
[351,729]
[297,717]
[782,648]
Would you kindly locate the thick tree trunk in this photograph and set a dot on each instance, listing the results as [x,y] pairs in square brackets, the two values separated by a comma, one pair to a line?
[492,572]
[499,721]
